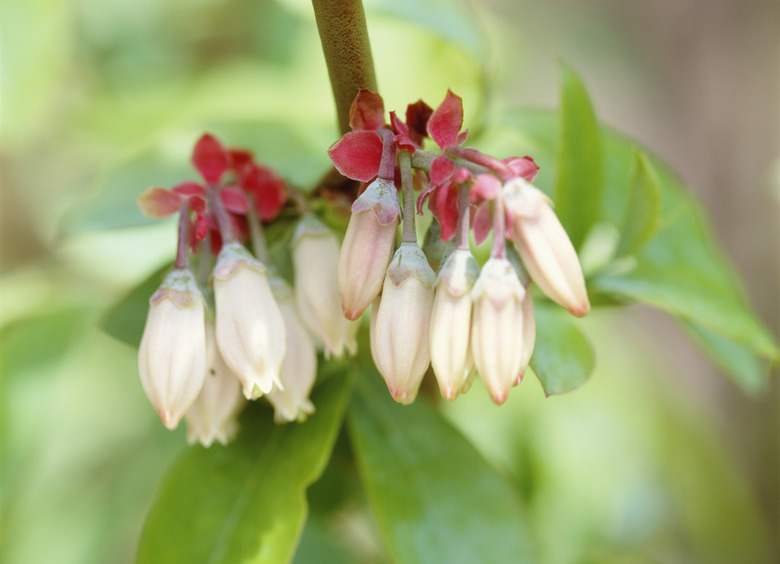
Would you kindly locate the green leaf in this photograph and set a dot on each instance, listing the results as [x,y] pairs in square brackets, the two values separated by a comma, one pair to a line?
[246,502]
[126,319]
[563,359]
[580,179]
[681,271]
[435,499]
[737,361]
[643,209]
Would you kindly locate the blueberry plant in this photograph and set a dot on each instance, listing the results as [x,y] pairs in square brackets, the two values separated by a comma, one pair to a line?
[353,308]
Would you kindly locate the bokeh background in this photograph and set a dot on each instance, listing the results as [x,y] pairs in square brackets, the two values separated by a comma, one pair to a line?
[657,459]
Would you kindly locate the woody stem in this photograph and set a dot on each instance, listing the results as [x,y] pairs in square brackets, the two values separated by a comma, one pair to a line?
[344,37]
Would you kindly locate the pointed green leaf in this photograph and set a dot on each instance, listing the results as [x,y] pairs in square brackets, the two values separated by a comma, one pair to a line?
[126,319]
[563,359]
[643,209]
[246,502]
[434,497]
[580,178]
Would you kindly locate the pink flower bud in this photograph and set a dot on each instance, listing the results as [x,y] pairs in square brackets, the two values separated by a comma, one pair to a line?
[213,416]
[172,355]
[315,253]
[367,247]
[299,368]
[401,348]
[545,248]
[497,327]
[451,322]
[250,329]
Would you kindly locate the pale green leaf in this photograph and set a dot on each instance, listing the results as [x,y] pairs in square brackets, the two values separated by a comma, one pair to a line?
[563,359]
[579,184]
[434,498]
[246,502]
[644,206]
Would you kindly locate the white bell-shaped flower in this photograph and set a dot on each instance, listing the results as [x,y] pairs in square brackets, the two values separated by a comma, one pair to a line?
[172,354]
[250,328]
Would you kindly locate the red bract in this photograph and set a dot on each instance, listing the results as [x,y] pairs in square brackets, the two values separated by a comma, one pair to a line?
[357,155]
[417,116]
[266,188]
[160,202]
[445,122]
[210,158]
[443,203]
[367,111]
[234,200]
[240,158]
[524,167]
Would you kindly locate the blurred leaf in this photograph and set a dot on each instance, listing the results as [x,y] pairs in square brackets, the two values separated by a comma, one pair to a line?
[126,319]
[453,21]
[681,271]
[563,359]
[580,178]
[246,502]
[435,499]
[644,206]
[738,362]
[32,343]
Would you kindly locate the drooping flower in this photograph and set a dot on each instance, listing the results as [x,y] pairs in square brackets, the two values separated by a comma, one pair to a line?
[401,344]
[250,328]
[367,246]
[214,413]
[497,327]
[451,322]
[299,368]
[545,248]
[172,354]
[315,254]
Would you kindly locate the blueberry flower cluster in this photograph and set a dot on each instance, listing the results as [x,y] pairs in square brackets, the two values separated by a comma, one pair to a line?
[462,319]
[230,328]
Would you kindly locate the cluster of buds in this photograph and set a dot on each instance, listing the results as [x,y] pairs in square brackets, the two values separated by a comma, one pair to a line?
[464,319]
[231,328]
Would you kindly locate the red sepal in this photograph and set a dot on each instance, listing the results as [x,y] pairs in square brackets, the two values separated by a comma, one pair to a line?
[234,199]
[483,222]
[357,155]
[367,111]
[441,170]
[485,187]
[189,188]
[197,204]
[525,167]
[210,158]
[239,158]
[158,202]
[446,120]
[443,203]
[268,190]
[417,116]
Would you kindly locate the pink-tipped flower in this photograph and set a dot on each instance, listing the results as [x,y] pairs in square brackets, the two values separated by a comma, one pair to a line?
[451,323]
[299,368]
[401,347]
[367,247]
[213,416]
[250,329]
[315,254]
[545,248]
[172,355]
[497,327]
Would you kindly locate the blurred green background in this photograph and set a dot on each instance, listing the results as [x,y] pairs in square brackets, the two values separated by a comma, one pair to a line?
[656,459]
